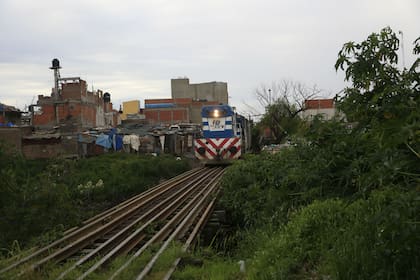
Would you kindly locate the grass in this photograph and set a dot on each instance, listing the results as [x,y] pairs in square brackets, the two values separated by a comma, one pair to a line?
[204,263]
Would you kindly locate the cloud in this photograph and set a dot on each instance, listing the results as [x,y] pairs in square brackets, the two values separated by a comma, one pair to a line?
[133,48]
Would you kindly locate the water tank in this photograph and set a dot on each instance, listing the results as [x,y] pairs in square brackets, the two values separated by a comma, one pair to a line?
[55,64]
[107,97]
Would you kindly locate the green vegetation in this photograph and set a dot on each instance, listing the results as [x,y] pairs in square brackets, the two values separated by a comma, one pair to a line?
[283,102]
[375,238]
[39,199]
[344,201]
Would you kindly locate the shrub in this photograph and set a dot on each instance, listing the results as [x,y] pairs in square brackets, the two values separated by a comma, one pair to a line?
[41,196]
[378,238]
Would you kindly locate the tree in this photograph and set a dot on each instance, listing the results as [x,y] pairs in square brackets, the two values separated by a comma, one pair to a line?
[283,101]
[383,99]
[292,94]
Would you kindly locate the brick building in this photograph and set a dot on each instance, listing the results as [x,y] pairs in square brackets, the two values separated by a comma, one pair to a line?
[186,102]
[174,110]
[74,108]
[323,107]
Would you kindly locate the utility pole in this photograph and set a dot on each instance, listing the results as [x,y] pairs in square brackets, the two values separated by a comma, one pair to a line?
[402,48]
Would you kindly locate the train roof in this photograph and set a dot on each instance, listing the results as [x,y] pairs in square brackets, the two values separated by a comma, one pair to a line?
[226,108]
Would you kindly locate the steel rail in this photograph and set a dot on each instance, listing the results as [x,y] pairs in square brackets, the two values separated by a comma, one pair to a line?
[135,237]
[180,229]
[104,218]
[118,237]
[122,204]
[165,231]
[203,219]
[87,239]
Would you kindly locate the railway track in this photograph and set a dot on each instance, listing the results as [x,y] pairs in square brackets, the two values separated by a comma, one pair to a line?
[174,210]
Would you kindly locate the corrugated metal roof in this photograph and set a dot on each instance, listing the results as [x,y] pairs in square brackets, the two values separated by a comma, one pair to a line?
[7,108]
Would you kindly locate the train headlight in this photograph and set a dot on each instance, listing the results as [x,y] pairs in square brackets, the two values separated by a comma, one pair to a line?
[201,151]
[233,150]
[216,113]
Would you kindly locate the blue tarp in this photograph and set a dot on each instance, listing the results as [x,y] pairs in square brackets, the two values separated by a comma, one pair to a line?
[86,138]
[104,141]
[115,139]
[108,140]
[9,124]
[118,143]
[111,140]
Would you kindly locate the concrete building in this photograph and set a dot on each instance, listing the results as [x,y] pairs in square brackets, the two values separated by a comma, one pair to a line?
[211,91]
[130,108]
[186,102]
[174,110]
[322,107]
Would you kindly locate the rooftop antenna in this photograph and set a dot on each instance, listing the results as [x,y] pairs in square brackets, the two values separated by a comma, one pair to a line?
[56,66]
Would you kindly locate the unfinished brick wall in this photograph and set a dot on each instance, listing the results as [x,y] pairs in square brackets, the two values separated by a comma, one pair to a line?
[39,151]
[158,101]
[74,90]
[74,110]
[46,117]
[167,115]
[88,115]
[10,139]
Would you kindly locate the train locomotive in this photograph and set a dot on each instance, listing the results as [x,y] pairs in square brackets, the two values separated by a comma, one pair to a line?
[225,135]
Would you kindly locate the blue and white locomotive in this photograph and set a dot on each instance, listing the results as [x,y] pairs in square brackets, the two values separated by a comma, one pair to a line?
[225,135]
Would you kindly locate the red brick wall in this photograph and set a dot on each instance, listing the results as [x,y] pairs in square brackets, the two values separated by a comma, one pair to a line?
[181,115]
[42,151]
[183,101]
[73,90]
[89,115]
[319,104]
[49,147]
[12,138]
[178,101]
[74,112]
[167,116]
[158,101]
[46,117]
[64,112]
[76,106]
[151,115]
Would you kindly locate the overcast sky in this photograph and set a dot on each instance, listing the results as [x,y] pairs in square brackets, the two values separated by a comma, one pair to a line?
[132,48]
